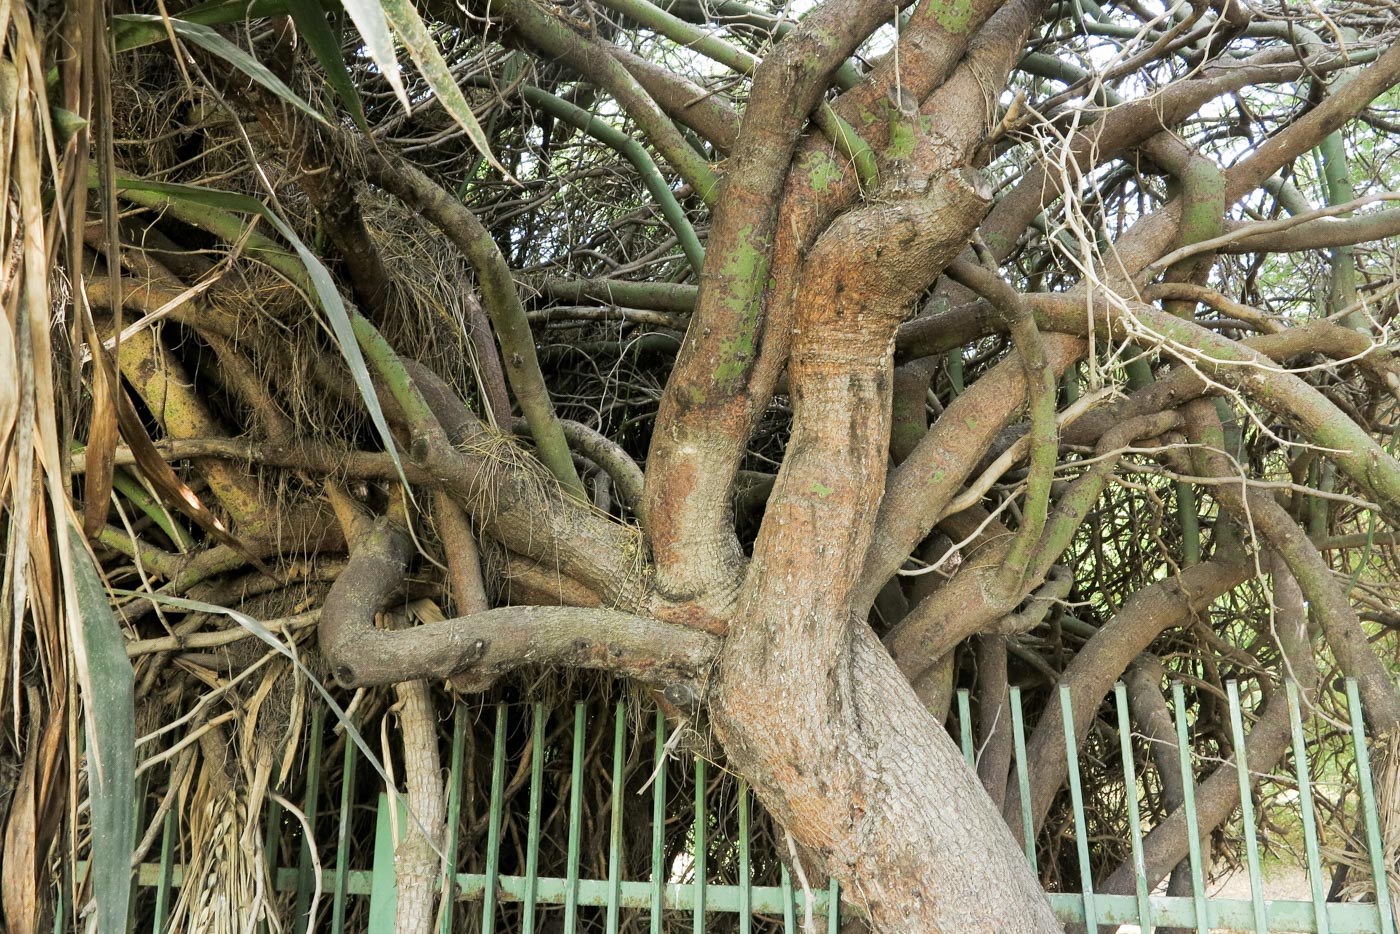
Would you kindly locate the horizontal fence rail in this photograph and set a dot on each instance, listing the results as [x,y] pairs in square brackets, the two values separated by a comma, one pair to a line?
[681,891]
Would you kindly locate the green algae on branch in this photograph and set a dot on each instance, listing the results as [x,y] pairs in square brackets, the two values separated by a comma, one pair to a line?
[956,16]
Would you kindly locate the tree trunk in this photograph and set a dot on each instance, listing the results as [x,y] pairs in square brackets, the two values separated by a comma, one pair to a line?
[810,707]
[862,776]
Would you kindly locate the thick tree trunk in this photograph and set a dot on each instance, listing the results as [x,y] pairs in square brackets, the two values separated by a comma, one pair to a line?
[871,785]
[810,706]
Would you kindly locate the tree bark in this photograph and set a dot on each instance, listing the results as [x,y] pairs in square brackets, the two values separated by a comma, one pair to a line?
[808,704]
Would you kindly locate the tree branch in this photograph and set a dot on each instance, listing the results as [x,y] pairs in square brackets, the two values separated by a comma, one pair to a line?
[707,413]
[490,643]
[1259,510]
[1147,614]
[461,226]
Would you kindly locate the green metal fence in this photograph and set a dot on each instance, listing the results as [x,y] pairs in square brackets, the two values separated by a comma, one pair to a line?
[681,892]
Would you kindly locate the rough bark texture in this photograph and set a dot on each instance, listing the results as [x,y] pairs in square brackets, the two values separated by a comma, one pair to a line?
[807,702]
[837,198]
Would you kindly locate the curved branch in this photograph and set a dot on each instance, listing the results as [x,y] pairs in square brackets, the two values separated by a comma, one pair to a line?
[1248,370]
[1183,384]
[1348,98]
[1321,233]
[704,111]
[1090,676]
[1126,125]
[1241,231]
[1340,624]
[516,505]
[461,226]
[1041,387]
[592,59]
[918,492]
[488,644]
[977,596]
[609,455]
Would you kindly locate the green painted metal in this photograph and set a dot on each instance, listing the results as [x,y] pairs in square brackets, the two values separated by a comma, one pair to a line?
[138,821]
[1023,778]
[1251,841]
[1125,744]
[1305,804]
[698,854]
[575,822]
[594,893]
[383,892]
[342,859]
[493,827]
[164,888]
[745,870]
[700,897]
[658,825]
[532,840]
[454,814]
[311,806]
[679,896]
[1371,817]
[1193,829]
[965,727]
[1076,794]
[789,904]
[1229,913]
[615,834]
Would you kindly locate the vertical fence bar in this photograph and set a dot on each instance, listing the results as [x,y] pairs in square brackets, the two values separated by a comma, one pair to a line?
[575,822]
[965,726]
[700,845]
[658,826]
[311,805]
[383,892]
[342,849]
[1370,816]
[60,907]
[167,870]
[138,821]
[1076,796]
[1023,778]
[1188,794]
[745,873]
[1125,746]
[1305,803]
[1251,841]
[455,780]
[493,825]
[789,904]
[615,835]
[833,908]
[532,837]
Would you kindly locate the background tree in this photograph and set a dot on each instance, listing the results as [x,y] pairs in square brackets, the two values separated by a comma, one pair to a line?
[801,364]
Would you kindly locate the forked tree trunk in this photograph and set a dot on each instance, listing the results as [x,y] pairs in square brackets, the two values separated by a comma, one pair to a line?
[811,708]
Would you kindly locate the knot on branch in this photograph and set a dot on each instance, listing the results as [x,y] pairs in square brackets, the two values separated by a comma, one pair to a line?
[864,272]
